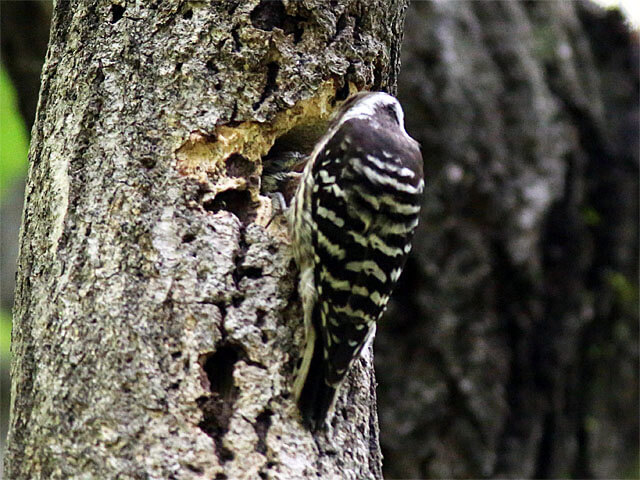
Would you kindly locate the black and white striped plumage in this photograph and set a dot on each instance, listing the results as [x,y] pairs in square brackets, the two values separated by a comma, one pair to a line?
[352,221]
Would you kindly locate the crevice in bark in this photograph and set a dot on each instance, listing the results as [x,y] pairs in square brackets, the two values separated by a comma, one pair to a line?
[237,202]
[218,407]
[148,162]
[211,66]
[237,44]
[232,6]
[270,14]
[117,12]
[262,425]
[341,24]
[260,314]
[343,92]
[359,19]
[271,84]
[188,238]
[219,369]
[243,247]
[378,75]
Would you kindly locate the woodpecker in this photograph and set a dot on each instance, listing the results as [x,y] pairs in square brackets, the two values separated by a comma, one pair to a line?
[351,222]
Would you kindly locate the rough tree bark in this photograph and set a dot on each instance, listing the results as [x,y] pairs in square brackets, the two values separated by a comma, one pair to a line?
[511,349]
[156,318]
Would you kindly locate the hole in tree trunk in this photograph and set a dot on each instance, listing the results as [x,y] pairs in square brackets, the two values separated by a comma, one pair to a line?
[117,11]
[218,406]
[289,154]
[237,202]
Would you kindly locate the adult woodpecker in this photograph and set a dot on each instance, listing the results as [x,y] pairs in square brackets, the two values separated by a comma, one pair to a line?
[351,221]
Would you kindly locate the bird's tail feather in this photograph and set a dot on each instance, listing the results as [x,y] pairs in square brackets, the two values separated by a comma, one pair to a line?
[316,398]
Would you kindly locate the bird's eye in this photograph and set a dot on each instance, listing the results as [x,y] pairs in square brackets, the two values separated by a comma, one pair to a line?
[391,111]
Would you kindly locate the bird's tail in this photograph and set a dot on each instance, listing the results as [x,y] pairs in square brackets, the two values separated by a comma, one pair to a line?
[316,397]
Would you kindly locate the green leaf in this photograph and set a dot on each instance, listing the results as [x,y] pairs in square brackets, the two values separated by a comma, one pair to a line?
[5,334]
[13,136]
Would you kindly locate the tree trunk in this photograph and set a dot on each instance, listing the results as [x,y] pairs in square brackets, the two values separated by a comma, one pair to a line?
[156,318]
[511,349]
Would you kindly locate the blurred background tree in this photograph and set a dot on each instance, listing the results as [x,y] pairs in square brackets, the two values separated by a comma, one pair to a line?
[511,349]
[13,151]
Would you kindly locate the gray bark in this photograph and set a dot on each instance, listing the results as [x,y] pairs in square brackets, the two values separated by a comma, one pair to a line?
[511,348]
[156,318]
